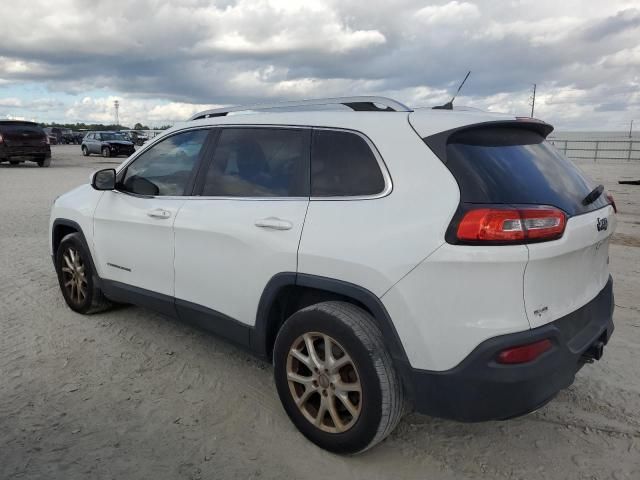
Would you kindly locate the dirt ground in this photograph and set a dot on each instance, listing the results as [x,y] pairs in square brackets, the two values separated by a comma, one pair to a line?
[129,394]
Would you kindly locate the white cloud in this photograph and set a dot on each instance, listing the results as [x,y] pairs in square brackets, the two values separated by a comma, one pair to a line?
[627,58]
[164,59]
[131,111]
[9,116]
[10,102]
[448,14]
[542,32]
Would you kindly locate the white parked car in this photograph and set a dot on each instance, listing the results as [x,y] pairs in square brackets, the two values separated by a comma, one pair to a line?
[450,262]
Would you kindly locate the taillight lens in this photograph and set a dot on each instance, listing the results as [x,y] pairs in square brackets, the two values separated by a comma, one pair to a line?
[1,138]
[511,225]
[612,202]
[45,139]
[524,353]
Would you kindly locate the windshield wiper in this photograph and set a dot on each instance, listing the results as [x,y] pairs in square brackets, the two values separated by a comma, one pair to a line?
[593,195]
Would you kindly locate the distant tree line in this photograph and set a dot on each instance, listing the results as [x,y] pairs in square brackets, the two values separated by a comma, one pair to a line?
[101,126]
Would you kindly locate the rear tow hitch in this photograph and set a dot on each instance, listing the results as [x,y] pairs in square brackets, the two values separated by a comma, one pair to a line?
[594,352]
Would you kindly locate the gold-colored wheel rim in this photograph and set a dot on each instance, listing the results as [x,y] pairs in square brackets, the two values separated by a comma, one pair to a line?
[324,382]
[74,278]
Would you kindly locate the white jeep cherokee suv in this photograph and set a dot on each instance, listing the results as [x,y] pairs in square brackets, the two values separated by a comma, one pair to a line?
[448,261]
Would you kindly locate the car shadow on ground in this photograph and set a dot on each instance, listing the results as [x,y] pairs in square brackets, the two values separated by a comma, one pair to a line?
[21,165]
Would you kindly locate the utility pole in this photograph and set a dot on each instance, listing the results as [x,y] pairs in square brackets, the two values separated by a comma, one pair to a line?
[533,100]
[630,128]
[116,104]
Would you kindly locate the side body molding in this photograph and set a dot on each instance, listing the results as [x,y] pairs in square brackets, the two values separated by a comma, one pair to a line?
[257,338]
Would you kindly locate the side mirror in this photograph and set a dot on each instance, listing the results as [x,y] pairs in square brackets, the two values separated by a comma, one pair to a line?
[104,179]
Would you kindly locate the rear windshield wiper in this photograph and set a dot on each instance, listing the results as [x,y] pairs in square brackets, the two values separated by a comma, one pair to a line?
[593,195]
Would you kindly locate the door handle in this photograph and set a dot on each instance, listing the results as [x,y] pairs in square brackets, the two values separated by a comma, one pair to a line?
[274,223]
[159,213]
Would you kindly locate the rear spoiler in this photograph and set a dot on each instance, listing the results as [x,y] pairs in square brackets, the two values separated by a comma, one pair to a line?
[438,142]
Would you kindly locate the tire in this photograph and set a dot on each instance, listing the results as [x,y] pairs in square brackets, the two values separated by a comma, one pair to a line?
[93,300]
[85,151]
[377,408]
[106,152]
[44,162]
[14,162]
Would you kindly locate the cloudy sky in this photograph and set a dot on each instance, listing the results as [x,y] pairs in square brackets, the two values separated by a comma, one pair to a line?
[68,60]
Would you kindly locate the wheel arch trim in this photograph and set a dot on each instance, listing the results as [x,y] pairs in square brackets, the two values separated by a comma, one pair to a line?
[263,325]
[70,223]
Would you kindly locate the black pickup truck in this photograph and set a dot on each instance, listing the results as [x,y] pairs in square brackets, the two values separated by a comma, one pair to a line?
[21,141]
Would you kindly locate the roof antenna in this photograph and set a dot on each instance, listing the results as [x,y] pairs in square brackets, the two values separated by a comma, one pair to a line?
[449,104]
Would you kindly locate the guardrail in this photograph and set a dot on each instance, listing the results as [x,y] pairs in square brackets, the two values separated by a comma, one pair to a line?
[601,149]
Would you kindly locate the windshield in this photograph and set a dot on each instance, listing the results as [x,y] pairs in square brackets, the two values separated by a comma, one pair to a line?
[112,136]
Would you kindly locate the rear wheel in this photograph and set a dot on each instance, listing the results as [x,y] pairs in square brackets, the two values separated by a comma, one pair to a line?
[335,377]
[106,152]
[14,162]
[44,162]
[78,281]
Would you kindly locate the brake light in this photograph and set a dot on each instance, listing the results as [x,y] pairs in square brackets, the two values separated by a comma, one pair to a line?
[45,139]
[612,202]
[524,353]
[511,225]
[1,138]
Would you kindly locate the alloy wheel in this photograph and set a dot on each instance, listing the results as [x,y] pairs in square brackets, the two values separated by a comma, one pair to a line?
[324,382]
[74,277]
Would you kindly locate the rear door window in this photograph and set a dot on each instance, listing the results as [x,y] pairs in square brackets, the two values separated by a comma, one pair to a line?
[259,162]
[516,166]
[343,165]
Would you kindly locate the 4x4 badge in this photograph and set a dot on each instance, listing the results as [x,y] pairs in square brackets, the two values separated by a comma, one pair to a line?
[602,224]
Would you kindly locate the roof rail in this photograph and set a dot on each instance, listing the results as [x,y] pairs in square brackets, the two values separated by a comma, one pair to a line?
[358,104]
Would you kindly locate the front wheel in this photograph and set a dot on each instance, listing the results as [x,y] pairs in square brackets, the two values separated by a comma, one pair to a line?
[85,151]
[106,152]
[336,379]
[78,281]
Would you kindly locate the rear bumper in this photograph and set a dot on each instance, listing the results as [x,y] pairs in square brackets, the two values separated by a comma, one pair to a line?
[480,389]
[7,152]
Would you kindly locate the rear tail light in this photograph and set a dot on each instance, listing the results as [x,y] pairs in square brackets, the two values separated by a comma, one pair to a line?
[612,202]
[1,138]
[524,353]
[511,225]
[45,140]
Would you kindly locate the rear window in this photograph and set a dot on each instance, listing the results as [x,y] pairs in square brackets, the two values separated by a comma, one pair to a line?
[516,166]
[21,128]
